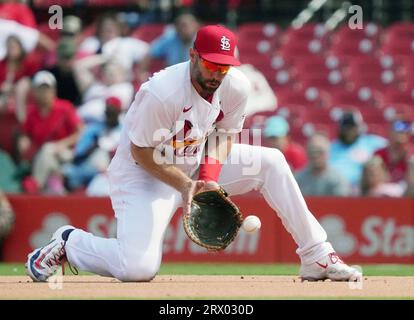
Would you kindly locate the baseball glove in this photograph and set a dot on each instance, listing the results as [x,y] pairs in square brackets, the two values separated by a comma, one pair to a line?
[214,220]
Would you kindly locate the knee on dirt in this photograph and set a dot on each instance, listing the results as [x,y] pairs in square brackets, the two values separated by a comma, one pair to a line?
[138,270]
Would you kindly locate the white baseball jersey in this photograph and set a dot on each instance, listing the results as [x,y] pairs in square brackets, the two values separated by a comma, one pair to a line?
[168,114]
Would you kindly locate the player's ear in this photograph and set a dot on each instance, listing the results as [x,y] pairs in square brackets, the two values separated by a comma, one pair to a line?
[193,55]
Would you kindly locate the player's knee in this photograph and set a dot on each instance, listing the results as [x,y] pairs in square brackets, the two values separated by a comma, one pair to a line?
[141,271]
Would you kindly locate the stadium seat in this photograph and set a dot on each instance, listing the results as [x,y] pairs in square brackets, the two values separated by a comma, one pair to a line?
[311,128]
[9,127]
[399,30]
[399,46]
[48,3]
[398,110]
[258,30]
[149,32]
[353,47]
[258,119]
[322,80]
[260,62]
[360,97]
[306,47]
[295,114]
[307,31]
[255,39]
[107,3]
[44,28]
[395,96]
[381,129]
[370,30]
[316,64]
[279,79]
[310,97]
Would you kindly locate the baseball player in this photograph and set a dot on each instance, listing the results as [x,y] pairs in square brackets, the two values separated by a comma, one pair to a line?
[163,160]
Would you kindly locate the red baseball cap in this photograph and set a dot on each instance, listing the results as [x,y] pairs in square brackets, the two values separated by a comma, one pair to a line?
[216,44]
[114,102]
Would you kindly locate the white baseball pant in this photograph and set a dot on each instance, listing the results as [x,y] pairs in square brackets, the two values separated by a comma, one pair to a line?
[144,206]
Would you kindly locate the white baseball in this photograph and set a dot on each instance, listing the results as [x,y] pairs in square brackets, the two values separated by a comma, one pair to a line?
[251,224]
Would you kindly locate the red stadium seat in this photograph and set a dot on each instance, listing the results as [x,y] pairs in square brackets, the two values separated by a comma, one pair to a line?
[310,97]
[370,31]
[48,3]
[261,62]
[399,46]
[44,28]
[258,119]
[327,80]
[149,32]
[360,97]
[258,30]
[399,30]
[398,110]
[256,39]
[8,128]
[107,3]
[353,47]
[395,96]
[306,47]
[311,128]
[279,78]
[307,31]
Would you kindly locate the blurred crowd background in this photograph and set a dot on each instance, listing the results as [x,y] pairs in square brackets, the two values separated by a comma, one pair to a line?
[337,101]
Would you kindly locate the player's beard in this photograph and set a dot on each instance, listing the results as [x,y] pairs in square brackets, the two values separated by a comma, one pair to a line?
[208,86]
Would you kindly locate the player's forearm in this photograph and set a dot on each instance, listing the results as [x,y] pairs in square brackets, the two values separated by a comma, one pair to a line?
[217,150]
[168,174]
[219,146]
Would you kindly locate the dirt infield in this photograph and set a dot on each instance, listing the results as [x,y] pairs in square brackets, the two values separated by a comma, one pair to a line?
[225,287]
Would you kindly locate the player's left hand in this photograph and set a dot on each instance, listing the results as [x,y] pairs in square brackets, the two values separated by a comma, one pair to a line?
[210,186]
[190,189]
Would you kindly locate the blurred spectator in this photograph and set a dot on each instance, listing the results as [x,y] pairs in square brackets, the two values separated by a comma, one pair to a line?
[318,178]
[409,178]
[262,97]
[277,134]
[126,51]
[375,180]
[353,148]
[113,83]
[67,86]
[95,147]
[9,181]
[7,219]
[29,37]
[72,28]
[173,46]
[110,42]
[16,11]
[395,156]
[15,70]
[51,129]
[107,28]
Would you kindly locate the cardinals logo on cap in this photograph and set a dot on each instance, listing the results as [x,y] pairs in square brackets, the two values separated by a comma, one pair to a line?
[225,43]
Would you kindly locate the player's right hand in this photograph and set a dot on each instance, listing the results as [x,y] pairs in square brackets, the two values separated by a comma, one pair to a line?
[189,190]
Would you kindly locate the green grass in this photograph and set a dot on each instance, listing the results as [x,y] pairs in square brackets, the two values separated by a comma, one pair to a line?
[240,269]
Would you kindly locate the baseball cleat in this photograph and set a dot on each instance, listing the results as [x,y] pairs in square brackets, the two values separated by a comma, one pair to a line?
[45,261]
[330,267]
